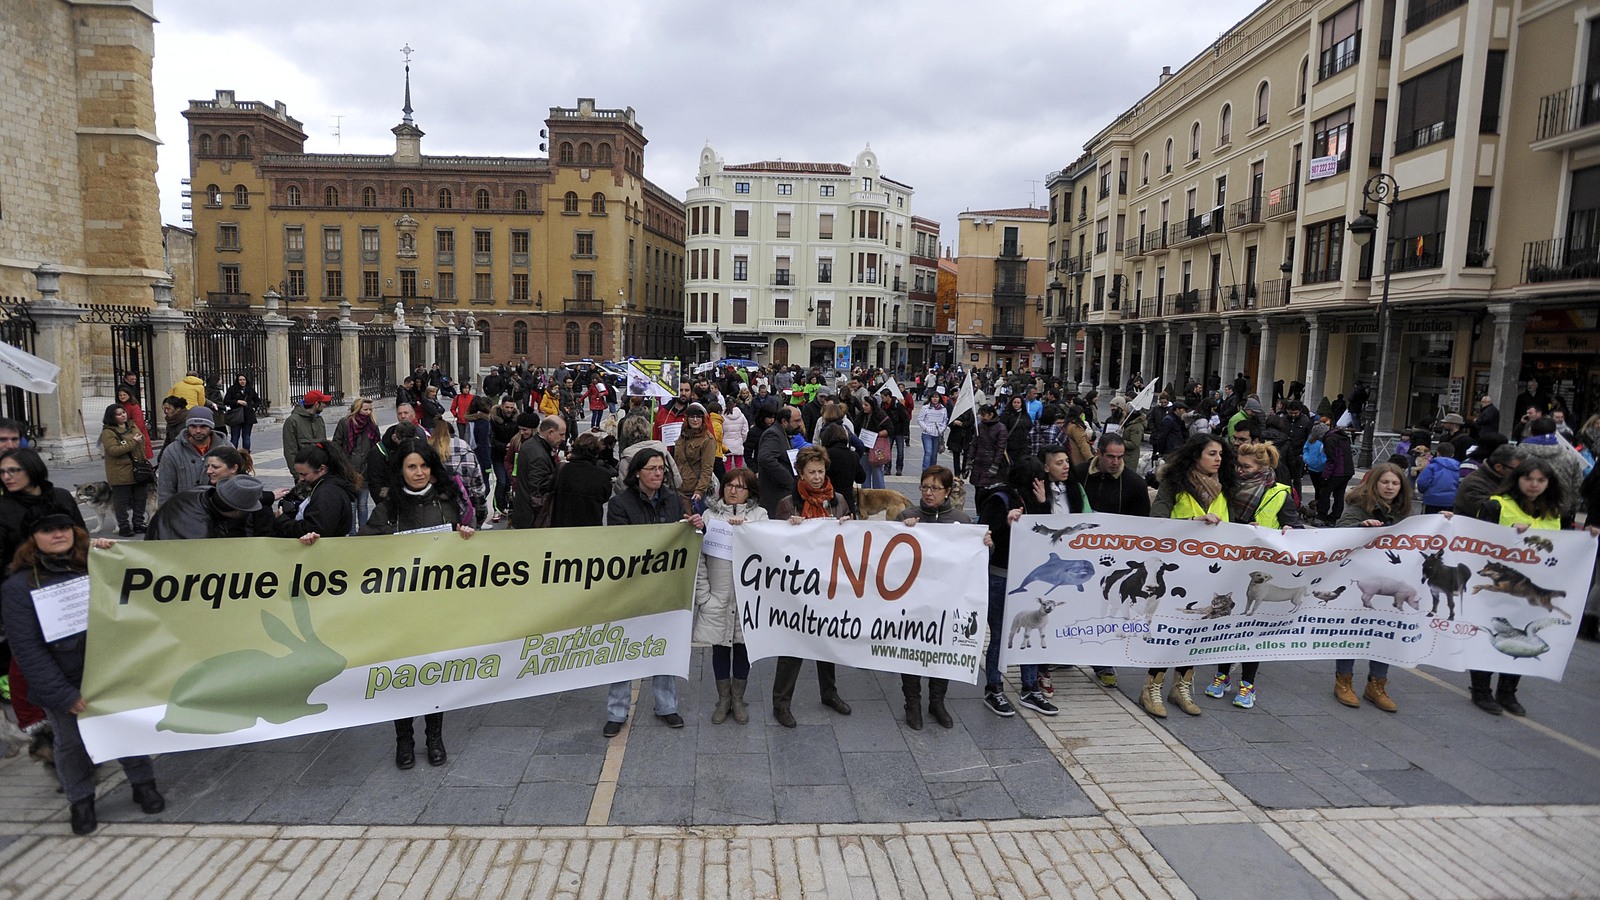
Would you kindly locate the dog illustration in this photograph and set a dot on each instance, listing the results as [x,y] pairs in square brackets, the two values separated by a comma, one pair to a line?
[1057,534]
[871,501]
[969,628]
[1058,572]
[1262,590]
[1031,620]
[1326,597]
[1447,581]
[1221,606]
[1379,586]
[1505,580]
[1539,543]
[97,496]
[1523,643]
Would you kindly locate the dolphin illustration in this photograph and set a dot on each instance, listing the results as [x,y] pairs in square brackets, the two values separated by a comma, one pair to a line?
[1057,572]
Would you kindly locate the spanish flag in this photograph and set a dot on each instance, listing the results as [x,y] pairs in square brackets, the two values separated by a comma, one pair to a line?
[1419,247]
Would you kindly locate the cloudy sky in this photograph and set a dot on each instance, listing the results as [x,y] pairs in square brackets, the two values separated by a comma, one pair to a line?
[968,102]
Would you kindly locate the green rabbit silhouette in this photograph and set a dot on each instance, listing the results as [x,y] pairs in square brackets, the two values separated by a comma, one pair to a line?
[229,692]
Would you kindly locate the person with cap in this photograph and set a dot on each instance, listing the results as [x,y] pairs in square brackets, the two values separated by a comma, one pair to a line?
[217,511]
[304,426]
[1453,428]
[695,453]
[183,462]
[57,550]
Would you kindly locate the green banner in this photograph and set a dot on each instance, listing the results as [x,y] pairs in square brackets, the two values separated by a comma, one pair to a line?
[207,643]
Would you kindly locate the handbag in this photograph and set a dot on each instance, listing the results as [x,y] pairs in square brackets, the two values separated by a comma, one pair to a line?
[880,453]
[143,472]
[235,416]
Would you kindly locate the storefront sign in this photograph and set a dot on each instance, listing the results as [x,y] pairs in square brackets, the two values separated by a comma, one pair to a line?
[1567,342]
[944,340]
[1434,325]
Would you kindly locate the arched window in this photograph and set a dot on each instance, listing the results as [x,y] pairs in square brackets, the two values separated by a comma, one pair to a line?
[213,195]
[605,155]
[293,194]
[241,195]
[481,199]
[1167,160]
[1225,125]
[369,197]
[585,154]
[330,196]
[566,153]
[597,340]
[225,146]
[572,338]
[1194,141]
[1305,71]
[244,145]
[484,334]
[519,201]
[445,200]
[597,204]
[570,203]
[206,147]
[408,199]
[1263,96]
[519,337]
[1144,169]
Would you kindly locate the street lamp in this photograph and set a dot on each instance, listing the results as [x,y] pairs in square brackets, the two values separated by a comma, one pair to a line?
[1058,308]
[1384,191]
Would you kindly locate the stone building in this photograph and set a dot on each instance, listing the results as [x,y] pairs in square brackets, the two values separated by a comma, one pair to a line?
[550,259]
[1000,288]
[1221,208]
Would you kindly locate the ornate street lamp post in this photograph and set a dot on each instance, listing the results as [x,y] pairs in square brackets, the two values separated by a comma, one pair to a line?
[1382,190]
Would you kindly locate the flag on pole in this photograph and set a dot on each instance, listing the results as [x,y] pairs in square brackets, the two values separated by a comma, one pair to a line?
[964,400]
[890,386]
[1146,397]
[642,385]
[22,369]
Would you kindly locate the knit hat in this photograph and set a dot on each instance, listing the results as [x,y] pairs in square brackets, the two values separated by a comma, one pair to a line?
[201,415]
[695,409]
[1318,430]
[48,518]
[1252,405]
[241,492]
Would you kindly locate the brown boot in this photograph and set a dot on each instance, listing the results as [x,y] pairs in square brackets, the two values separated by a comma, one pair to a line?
[1182,693]
[719,713]
[1150,697]
[736,705]
[1380,698]
[1343,691]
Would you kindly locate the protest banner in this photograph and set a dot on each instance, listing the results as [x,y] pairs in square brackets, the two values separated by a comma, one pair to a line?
[874,595]
[1454,593]
[212,643]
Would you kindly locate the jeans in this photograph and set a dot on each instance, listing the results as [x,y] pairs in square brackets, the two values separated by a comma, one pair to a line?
[595,415]
[239,436]
[73,766]
[900,453]
[1336,489]
[502,485]
[665,688]
[126,499]
[930,450]
[363,506]
[874,477]
[1375,669]
[991,659]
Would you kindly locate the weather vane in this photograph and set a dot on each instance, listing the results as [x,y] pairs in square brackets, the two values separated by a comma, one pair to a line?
[407,51]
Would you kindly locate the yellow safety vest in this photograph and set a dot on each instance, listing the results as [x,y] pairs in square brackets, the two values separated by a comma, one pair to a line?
[1187,507]
[1512,514]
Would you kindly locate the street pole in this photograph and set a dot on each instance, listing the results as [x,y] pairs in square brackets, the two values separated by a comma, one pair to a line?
[1382,190]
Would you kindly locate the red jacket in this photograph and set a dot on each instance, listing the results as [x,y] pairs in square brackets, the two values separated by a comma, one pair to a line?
[596,395]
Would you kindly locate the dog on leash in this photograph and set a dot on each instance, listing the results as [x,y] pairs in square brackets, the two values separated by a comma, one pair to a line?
[871,501]
[97,496]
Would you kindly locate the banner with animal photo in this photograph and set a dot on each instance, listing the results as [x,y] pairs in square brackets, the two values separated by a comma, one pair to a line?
[208,644]
[874,595]
[1454,593]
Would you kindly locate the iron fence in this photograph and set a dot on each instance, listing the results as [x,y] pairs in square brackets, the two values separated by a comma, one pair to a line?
[376,364]
[221,346]
[314,358]
[128,342]
[18,329]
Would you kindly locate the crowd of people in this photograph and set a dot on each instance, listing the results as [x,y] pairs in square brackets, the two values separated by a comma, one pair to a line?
[572,448]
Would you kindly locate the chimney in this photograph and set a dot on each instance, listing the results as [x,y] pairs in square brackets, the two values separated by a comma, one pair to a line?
[1166,75]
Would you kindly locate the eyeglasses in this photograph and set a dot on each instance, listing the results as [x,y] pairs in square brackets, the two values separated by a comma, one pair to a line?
[654,469]
[734,486]
[12,470]
[931,488]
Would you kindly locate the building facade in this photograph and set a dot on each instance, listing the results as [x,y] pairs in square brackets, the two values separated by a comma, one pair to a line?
[1220,205]
[1000,288]
[791,263]
[552,258]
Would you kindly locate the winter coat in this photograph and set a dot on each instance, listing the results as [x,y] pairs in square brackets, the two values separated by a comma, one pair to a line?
[932,419]
[248,394]
[776,473]
[901,418]
[535,478]
[301,429]
[633,507]
[791,504]
[136,419]
[328,511]
[988,453]
[1354,515]
[696,456]
[582,490]
[1336,446]
[182,467]
[53,669]
[1475,487]
[1133,428]
[1125,494]
[405,511]
[845,470]
[735,428]
[191,516]
[1170,434]
[1439,481]
[119,446]
[716,611]
[15,509]
[948,514]
[1569,470]
[191,389]
[359,450]
[1078,447]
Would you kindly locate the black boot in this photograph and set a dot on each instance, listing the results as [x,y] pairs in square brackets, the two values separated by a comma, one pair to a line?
[911,688]
[83,820]
[937,687]
[405,748]
[1482,697]
[1589,627]
[1506,695]
[433,731]
[148,798]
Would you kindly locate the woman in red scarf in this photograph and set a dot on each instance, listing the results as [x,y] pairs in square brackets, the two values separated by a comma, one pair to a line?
[356,434]
[813,498]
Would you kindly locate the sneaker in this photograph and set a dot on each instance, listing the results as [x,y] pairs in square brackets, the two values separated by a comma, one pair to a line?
[998,704]
[1045,685]
[1035,701]
[1246,697]
[1108,678]
[1219,687]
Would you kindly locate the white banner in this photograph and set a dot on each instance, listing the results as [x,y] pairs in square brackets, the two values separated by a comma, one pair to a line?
[874,595]
[22,369]
[1454,593]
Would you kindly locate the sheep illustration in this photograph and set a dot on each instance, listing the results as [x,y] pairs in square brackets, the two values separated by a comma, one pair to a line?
[1030,620]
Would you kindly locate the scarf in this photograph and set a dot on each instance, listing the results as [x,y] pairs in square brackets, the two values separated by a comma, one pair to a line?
[360,427]
[815,501]
[1204,488]
[1243,505]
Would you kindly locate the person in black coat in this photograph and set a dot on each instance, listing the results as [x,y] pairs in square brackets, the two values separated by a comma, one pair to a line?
[844,464]
[241,396]
[28,491]
[583,485]
[329,507]
[775,472]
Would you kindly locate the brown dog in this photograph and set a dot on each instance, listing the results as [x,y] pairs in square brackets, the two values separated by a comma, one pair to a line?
[1505,580]
[871,501]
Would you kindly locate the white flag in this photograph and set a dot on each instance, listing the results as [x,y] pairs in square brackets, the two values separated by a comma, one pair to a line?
[964,400]
[891,387]
[1144,398]
[22,369]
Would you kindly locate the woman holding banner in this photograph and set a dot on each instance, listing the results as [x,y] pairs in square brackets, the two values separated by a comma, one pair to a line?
[716,611]
[1196,482]
[425,498]
[813,498]
[1382,498]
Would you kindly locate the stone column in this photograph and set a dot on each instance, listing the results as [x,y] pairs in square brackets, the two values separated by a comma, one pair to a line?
[1085,384]
[1389,345]
[1197,353]
[1169,361]
[429,334]
[1147,351]
[1509,321]
[1316,361]
[474,350]
[402,350]
[1267,361]
[60,427]
[349,354]
[1124,359]
[451,364]
[277,325]
[169,351]
[1231,339]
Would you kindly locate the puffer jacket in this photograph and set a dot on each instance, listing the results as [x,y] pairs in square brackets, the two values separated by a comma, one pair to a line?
[1133,428]
[327,511]
[1439,481]
[404,511]
[54,669]
[735,428]
[191,389]
[988,453]
[716,611]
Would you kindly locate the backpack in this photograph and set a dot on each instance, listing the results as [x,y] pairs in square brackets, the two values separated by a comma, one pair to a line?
[1316,459]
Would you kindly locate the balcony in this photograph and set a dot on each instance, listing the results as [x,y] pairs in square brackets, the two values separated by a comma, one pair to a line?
[1422,13]
[1282,201]
[1183,303]
[1010,290]
[900,285]
[1073,265]
[1339,57]
[1133,248]
[1566,117]
[1273,294]
[785,324]
[1417,251]
[1007,330]
[1194,228]
[583,306]
[1559,259]
[1154,241]
[1422,137]
[783,279]
[1245,214]
[1010,250]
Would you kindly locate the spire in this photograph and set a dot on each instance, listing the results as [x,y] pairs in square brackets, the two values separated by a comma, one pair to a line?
[407,108]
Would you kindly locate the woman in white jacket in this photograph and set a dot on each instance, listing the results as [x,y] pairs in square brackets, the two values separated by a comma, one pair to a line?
[735,428]
[716,612]
[933,420]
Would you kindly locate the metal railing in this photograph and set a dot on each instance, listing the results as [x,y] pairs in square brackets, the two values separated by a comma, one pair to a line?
[1417,251]
[783,279]
[1421,14]
[1559,259]
[1008,329]
[1245,212]
[1335,61]
[1569,110]
[1273,294]
[1422,137]
[583,305]
[1283,200]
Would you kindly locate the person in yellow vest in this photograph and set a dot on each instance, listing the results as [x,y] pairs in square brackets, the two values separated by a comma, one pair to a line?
[1530,497]
[1196,482]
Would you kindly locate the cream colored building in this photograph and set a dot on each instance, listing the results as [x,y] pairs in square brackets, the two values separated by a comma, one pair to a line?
[790,262]
[1216,210]
[1000,288]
